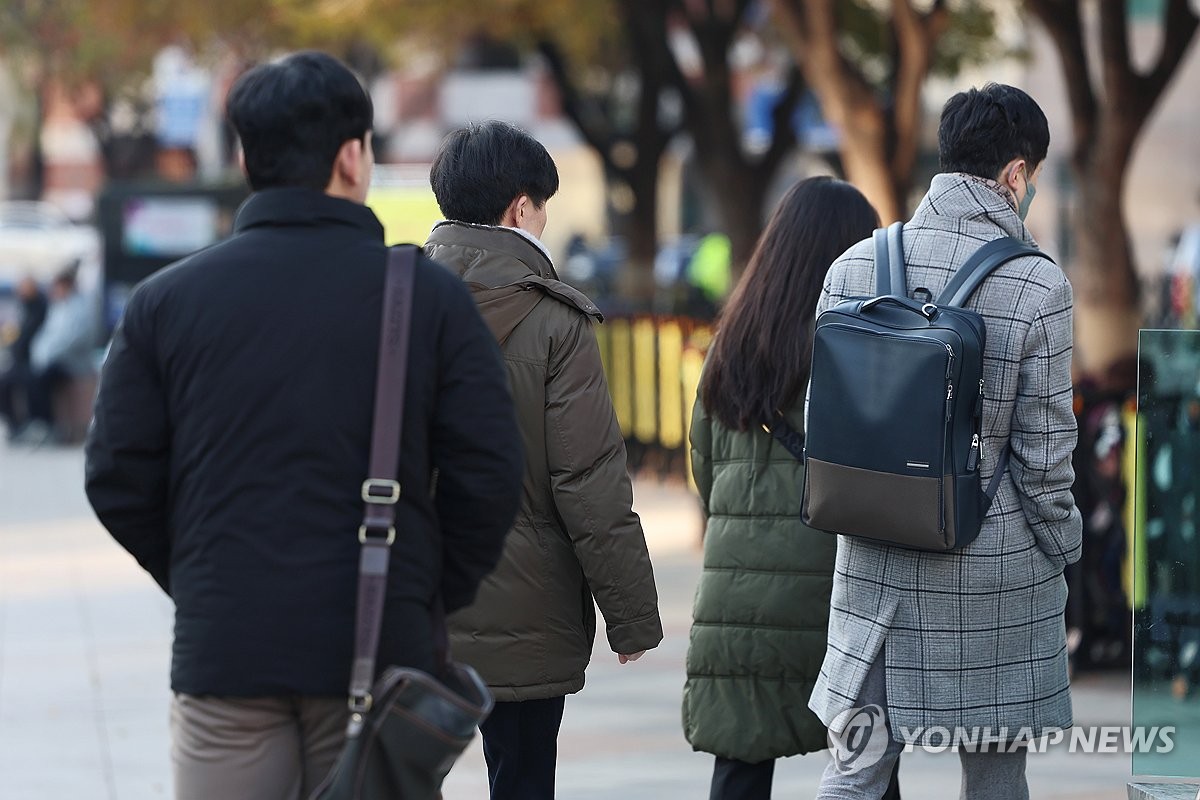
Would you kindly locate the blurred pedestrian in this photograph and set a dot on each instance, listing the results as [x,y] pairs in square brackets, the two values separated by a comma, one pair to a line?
[16,374]
[971,641]
[231,442]
[576,537]
[709,275]
[63,349]
[762,605]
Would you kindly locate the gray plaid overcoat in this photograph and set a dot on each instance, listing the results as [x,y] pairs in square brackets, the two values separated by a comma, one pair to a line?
[975,637]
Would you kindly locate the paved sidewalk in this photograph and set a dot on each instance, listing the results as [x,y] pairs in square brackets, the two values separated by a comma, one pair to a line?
[84,650]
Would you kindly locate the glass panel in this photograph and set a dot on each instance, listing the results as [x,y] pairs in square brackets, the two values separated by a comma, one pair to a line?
[1166,630]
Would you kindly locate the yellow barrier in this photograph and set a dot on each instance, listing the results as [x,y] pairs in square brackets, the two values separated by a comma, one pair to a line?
[620,374]
[671,424]
[645,414]
[653,368]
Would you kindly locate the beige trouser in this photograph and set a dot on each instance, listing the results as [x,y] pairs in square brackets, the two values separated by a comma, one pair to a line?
[254,748]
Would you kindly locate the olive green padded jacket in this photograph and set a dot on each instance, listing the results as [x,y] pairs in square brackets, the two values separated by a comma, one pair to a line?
[576,536]
[762,606]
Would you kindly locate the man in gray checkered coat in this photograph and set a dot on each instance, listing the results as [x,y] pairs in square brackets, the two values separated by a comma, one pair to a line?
[974,638]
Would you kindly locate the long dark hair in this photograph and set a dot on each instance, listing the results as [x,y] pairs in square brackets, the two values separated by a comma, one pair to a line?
[763,350]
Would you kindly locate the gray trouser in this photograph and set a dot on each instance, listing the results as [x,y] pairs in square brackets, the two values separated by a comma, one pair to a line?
[985,775]
[254,748]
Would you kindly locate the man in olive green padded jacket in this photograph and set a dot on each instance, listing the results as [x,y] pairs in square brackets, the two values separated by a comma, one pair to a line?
[576,537]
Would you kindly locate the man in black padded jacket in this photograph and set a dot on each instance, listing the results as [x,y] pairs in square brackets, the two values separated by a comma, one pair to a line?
[231,439]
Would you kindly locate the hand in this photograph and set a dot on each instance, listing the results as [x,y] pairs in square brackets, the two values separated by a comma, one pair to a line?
[625,659]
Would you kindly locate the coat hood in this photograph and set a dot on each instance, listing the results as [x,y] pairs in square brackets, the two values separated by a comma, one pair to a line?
[508,273]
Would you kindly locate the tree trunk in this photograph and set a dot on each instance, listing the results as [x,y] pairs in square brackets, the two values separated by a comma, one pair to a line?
[1105,127]
[1103,273]
[741,208]
[878,145]
[863,151]
[737,184]
[639,227]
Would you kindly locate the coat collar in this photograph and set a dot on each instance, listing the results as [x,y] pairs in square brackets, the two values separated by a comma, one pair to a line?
[960,196]
[522,263]
[296,206]
[507,241]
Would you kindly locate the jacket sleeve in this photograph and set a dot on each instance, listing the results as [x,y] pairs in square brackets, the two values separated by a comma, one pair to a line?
[593,493]
[700,436]
[476,448]
[128,446]
[1044,430]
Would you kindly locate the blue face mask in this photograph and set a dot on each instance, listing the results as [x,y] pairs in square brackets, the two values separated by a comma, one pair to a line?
[1027,200]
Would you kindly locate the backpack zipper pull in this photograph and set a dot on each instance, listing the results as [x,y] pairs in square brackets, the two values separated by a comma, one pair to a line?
[975,454]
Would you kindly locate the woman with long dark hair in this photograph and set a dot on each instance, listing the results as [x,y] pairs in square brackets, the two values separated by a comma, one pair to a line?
[758,636]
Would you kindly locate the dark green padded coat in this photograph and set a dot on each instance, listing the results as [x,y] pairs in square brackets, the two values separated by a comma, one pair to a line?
[762,606]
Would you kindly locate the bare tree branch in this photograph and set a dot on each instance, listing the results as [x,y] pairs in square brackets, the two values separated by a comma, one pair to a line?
[1179,29]
[740,9]
[916,37]
[830,69]
[1062,21]
[647,34]
[937,21]
[1116,68]
[673,74]
[783,132]
[590,123]
[790,18]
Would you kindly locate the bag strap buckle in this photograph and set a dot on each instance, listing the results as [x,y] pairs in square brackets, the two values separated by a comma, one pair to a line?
[381,491]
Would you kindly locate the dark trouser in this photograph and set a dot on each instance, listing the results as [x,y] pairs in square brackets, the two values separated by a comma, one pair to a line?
[14,402]
[520,745]
[40,391]
[737,780]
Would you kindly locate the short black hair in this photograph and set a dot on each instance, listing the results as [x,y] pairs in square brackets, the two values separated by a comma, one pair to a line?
[984,129]
[482,168]
[292,116]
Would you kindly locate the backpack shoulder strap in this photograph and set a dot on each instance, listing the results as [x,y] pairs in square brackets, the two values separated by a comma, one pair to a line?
[791,439]
[889,260]
[968,277]
[883,275]
[993,486]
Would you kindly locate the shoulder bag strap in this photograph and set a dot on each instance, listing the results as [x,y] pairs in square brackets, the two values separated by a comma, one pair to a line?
[968,277]
[381,490]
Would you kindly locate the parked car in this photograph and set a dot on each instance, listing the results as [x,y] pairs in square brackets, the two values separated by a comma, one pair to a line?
[38,239]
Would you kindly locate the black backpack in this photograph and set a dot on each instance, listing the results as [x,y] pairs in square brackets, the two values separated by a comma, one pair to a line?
[895,409]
